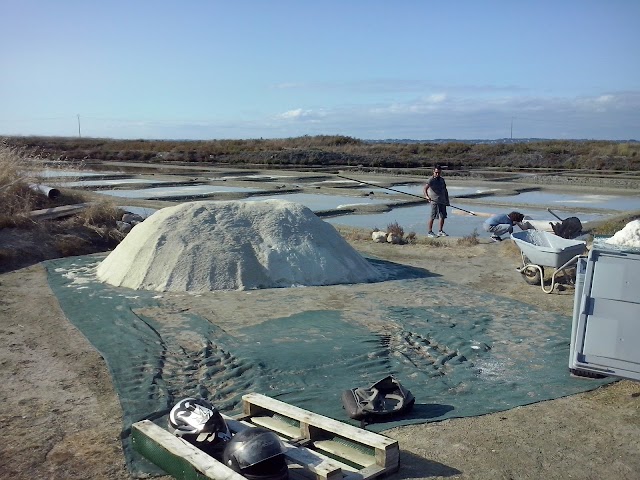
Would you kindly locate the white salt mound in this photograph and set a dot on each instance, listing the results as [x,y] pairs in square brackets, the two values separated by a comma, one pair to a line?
[629,236]
[203,246]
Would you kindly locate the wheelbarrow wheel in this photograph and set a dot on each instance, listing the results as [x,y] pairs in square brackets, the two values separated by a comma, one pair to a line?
[532,275]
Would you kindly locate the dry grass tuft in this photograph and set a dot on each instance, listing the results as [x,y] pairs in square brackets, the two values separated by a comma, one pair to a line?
[16,198]
[26,240]
[14,167]
[101,213]
[16,220]
[353,234]
[20,171]
[433,242]
[469,240]
[510,248]
[395,229]
[99,219]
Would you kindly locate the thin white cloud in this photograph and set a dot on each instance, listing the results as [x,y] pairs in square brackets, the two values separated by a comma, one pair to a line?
[287,86]
[300,114]
[606,102]
[297,113]
[439,114]
[397,86]
[436,98]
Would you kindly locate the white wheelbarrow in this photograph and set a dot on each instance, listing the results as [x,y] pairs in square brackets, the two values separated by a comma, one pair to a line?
[541,249]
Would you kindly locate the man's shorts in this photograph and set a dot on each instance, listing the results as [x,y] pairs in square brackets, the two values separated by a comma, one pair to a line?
[438,210]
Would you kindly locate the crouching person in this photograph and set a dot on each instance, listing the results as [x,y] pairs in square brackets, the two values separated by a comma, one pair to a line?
[502,224]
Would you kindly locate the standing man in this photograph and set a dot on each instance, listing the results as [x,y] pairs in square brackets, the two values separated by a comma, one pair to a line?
[435,191]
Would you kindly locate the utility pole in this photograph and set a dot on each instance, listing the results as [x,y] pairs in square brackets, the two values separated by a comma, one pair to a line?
[79,134]
[511,128]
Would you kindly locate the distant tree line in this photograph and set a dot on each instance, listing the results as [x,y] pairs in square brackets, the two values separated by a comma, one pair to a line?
[336,151]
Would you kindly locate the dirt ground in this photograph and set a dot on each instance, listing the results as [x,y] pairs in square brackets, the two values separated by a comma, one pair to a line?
[61,418]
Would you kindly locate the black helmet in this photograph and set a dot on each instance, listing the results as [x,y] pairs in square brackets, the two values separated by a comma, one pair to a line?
[199,422]
[258,454]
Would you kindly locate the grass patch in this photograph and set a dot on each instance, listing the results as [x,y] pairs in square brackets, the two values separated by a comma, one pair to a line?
[353,234]
[106,213]
[469,240]
[510,248]
[433,242]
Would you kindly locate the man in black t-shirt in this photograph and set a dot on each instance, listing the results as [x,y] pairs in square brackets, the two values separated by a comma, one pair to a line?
[435,191]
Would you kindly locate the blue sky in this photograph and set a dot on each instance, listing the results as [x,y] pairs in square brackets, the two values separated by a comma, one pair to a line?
[366,69]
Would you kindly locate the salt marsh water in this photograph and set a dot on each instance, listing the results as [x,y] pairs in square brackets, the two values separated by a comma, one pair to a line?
[414,219]
[142,211]
[551,199]
[411,218]
[108,183]
[416,189]
[187,191]
[249,177]
[340,182]
[318,202]
[53,173]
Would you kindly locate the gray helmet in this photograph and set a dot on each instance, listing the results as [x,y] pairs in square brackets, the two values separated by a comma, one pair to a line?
[257,454]
[199,422]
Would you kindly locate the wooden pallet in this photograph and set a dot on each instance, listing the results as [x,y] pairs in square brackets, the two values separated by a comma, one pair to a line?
[58,212]
[317,447]
[368,453]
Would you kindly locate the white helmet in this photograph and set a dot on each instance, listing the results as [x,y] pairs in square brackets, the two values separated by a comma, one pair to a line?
[199,422]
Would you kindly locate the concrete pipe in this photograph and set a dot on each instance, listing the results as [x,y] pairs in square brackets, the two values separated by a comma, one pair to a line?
[44,189]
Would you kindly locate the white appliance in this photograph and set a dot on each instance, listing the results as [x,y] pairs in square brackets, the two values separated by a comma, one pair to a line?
[605,332]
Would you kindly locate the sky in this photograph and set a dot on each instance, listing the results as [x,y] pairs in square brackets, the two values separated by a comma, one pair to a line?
[368,69]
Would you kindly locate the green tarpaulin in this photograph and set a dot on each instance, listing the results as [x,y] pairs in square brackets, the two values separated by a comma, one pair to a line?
[459,351]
